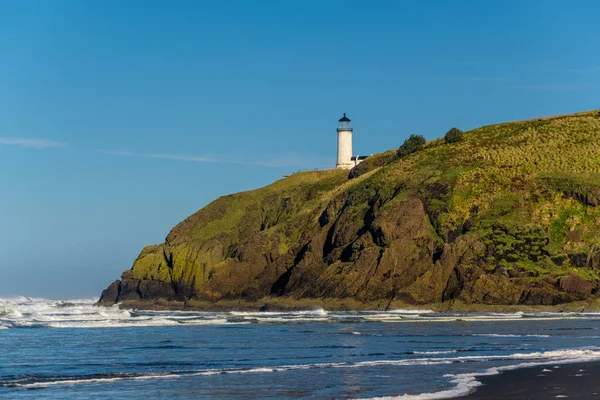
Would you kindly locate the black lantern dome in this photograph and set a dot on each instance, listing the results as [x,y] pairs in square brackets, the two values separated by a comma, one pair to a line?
[344,124]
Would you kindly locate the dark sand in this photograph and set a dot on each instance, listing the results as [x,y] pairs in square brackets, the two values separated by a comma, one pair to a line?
[568,381]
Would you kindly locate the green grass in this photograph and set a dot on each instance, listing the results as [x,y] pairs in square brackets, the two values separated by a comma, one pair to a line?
[525,189]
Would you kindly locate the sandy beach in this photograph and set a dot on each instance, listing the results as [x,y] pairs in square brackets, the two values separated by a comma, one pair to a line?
[562,381]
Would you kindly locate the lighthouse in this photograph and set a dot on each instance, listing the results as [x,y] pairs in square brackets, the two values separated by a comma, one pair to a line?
[344,144]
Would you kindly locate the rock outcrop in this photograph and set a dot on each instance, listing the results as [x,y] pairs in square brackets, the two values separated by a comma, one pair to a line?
[508,216]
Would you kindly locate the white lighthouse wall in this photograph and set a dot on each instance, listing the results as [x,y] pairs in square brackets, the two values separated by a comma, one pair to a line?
[344,154]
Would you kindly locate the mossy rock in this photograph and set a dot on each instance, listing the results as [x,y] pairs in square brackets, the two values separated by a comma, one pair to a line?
[508,215]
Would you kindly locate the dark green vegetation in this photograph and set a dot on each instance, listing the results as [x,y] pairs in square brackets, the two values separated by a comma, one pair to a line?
[509,215]
[411,145]
[454,135]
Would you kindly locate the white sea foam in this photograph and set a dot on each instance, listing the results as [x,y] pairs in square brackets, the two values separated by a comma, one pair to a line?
[25,312]
[434,352]
[464,383]
[96,380]
[314,312]
[509,335]
[410,312]
[461,389]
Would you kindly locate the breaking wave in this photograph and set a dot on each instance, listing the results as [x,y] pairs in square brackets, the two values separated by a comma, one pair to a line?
[372,342]
[27,312]
[464,383]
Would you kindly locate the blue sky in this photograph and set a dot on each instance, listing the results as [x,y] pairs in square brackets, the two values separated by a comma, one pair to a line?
[120,118]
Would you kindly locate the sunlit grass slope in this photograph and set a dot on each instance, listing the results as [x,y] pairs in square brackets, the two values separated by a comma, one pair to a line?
[508,215]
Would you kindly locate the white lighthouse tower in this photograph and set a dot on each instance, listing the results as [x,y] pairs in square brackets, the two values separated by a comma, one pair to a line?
[344,144]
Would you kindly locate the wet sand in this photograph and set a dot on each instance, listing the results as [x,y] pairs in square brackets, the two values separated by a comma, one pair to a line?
[561,381]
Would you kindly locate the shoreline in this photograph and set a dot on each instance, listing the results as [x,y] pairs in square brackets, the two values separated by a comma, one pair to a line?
[290,305]
[573,381]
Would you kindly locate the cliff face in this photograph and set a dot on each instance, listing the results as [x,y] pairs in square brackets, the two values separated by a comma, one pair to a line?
[509,215]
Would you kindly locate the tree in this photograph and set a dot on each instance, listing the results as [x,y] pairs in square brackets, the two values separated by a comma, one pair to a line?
[411,145]
[454,135]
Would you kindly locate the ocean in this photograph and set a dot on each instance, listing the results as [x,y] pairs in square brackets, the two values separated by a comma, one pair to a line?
[53,349]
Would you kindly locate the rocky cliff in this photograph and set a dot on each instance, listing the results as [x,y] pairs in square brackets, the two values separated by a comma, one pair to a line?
[509,215]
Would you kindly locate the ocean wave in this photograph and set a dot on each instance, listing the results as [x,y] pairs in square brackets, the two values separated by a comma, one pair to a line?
[28,312]
[30,383]
[508,335]
[434,352]
[410,312]
[317,311]
[464,383]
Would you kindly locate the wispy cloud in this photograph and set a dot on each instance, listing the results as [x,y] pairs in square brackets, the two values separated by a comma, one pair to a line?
[159,155]
[278,161]
[30,142]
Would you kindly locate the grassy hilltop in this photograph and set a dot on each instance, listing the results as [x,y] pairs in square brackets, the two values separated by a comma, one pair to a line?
[509,215]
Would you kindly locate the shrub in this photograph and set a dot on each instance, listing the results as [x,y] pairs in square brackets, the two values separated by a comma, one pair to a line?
[411,145]
[454,135]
